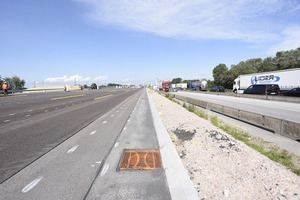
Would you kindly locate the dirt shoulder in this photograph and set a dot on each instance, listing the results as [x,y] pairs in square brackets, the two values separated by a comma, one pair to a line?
[220,166]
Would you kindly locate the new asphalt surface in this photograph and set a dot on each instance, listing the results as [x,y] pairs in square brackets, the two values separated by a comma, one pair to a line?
[83,164]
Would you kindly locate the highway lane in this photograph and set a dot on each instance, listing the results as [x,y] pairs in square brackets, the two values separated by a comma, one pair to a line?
[33,124]
[284,110]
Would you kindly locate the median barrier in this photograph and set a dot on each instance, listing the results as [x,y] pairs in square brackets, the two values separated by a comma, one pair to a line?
[280,126]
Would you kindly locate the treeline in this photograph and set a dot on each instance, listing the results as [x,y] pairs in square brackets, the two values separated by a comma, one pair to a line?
[283,60]
[14,83]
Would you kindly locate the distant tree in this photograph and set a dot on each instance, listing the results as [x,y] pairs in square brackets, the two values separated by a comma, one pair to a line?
[113,84]
[176,80]
[210,84]
[15,83]
[1,81]
[85,86]
[218,73]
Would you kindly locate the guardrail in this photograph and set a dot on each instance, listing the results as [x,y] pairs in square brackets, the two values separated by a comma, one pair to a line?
[283,127]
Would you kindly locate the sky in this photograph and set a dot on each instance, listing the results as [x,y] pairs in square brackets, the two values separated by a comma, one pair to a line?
[61,42]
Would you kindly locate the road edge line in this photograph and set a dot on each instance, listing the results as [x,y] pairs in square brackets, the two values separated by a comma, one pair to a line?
[180,185]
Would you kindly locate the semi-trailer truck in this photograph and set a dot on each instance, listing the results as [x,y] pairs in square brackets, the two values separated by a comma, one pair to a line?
[286,79]
[200,85]
[164,85]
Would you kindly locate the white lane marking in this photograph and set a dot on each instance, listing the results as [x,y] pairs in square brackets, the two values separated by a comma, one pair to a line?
[31,185]
[117,111]
[56,108]
[8,120]
[12,114]
[124,128]
[72,149]
[93,165]
[112,116]
[104,122]
[93,132]
[104,170]
[27,115]
[117,144]
[46,111]
[128,120]
[99,162]
[30,110]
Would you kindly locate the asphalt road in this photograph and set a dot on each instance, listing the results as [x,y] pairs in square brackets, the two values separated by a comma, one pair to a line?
[284,110]
[33,124]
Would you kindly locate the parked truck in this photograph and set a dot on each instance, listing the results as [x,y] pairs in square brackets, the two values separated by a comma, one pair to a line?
[286,79]
[200,85]
[164,85]
[181,86]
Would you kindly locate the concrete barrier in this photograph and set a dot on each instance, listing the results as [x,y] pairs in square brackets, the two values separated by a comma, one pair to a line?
[280,126]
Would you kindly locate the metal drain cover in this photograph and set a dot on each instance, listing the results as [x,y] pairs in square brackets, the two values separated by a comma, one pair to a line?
[141,160]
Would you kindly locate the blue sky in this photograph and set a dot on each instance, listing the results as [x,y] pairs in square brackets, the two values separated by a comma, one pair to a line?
[135,41]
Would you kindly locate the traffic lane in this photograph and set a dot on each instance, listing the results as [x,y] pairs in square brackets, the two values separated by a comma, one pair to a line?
[41,104]
[24,141]
[68,170]
[18,102]
[282,110]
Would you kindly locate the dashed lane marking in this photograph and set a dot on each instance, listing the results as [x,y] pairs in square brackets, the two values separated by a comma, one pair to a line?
[31,185]
[8,120]
[117,144]
[72,149]
[93,132]
[104,122]
[103,97]
[67,97]
[105,168]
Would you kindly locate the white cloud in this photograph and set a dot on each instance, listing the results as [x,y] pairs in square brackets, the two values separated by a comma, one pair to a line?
[126,80]
[101,78]
[248,20]
[67,79]
[291,40]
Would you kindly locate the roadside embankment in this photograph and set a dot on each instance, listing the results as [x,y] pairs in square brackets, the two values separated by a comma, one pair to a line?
[220,166]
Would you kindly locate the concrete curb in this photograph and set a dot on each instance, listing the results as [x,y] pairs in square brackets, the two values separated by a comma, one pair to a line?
[180,185]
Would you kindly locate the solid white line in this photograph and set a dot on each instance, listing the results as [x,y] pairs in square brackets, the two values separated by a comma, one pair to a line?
[105,168]
[31,185]
[93,132]
[72,149]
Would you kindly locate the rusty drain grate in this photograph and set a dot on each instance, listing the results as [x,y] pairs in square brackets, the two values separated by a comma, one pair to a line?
[141,160]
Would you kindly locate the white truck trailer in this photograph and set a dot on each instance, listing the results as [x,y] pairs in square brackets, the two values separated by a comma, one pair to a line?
[181,86]
[286,79]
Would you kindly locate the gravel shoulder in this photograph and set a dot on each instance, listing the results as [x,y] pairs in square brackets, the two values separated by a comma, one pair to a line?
[220,166]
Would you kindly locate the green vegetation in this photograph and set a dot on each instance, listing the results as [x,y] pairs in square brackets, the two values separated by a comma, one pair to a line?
[290,160]
[283,60]
[113,84]
[14,83]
